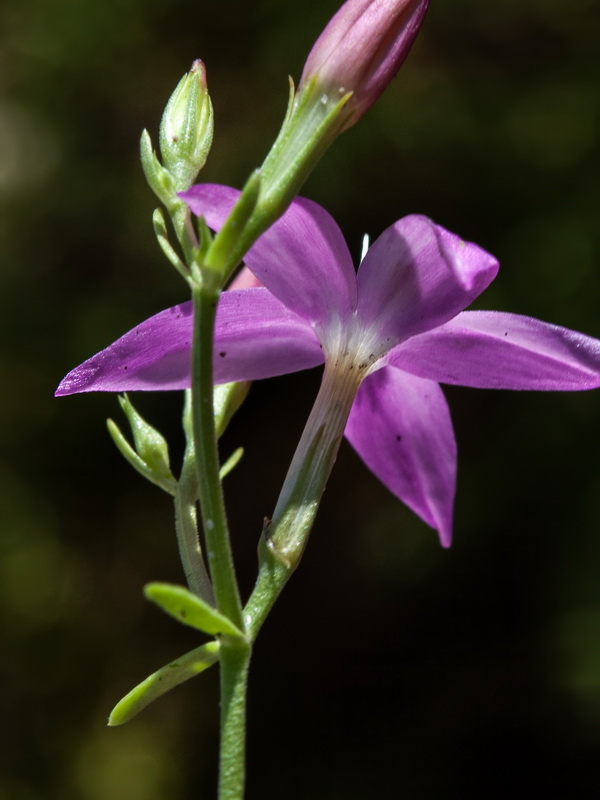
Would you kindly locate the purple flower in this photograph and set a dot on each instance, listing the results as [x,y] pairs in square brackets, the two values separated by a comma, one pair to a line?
[398,326]
[362,48]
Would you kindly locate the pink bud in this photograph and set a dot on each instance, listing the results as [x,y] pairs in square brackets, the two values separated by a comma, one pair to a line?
[362,48]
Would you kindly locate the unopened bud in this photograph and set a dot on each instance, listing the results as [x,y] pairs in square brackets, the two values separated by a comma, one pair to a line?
[186,128]
[362,49]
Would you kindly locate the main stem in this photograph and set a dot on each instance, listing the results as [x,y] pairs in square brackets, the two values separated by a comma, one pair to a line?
[234,653]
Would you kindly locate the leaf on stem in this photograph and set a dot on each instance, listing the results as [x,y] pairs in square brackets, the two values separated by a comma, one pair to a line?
[232,462]
[190,609]
[162,681]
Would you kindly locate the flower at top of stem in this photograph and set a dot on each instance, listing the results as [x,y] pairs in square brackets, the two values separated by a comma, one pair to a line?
[399,324]
[361,50]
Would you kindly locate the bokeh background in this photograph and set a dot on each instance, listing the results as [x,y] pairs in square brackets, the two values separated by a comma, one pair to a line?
[390,668]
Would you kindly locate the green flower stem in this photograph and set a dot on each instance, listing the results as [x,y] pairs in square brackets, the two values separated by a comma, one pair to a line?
[285,538]
[309,128]
[212,507]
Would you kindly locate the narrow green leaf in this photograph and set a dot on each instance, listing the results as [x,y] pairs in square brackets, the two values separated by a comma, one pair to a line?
[162,681]
[232,462]
[162,236]
[227,399]
[190,609]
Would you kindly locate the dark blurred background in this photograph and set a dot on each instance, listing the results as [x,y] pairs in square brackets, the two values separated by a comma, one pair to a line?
[390,668]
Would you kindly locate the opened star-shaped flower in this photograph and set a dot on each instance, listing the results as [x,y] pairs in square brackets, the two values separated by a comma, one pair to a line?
[394,331]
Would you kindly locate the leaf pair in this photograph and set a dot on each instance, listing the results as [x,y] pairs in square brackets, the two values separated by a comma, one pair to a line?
[188,608]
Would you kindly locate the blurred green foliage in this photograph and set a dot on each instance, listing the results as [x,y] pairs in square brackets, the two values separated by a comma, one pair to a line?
[465,673]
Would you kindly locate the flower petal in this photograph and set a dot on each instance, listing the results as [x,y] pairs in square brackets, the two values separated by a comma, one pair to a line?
[495,350]
[211,201]
[401,428]
[256,337]
[302,259]
[417,275]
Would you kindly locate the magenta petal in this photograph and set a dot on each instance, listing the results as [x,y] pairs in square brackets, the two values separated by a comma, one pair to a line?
[401,428]
[495,350]
[211,201]
[255,337]
[302,259]
[417,275]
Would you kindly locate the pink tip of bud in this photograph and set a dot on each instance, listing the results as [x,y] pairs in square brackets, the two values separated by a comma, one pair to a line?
[198,68]
[362,48]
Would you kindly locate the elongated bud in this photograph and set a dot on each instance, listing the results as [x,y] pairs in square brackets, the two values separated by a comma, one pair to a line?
[362,49]
[186,128]
[351,63]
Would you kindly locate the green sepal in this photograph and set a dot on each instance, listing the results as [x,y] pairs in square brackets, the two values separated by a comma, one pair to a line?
[162,681]
[205,236]
[150,447]
[190,609]
[168,484]
[159,179]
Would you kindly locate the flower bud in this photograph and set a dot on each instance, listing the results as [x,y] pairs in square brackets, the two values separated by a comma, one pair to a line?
[186,128]
[362,49]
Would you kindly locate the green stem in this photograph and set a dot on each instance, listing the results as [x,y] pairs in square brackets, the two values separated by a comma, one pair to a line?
[212,507]
[234,655]
[309,128]
[234,662]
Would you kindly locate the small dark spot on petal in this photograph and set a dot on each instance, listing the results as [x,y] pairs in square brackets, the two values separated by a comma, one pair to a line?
[223,354]
[398,437]
[506,333]
[125,367]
